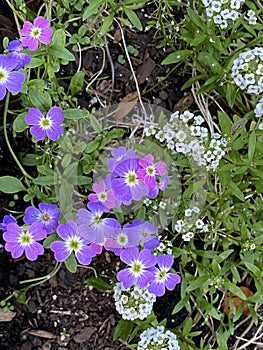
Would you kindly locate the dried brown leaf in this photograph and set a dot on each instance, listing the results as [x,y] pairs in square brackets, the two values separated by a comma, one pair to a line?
[126,105]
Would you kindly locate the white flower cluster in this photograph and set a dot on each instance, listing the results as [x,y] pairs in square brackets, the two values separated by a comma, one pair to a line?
[247,71]
[259,112]
[158,338]
[189,226]
[225,12]
[165,247]
[133,303]
[186,134]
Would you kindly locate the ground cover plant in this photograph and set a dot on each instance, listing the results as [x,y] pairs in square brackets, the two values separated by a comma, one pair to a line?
[156,202]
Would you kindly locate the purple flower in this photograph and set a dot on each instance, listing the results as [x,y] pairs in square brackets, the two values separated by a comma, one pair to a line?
[120,239]
[73,241]
[39,31]
[139,267]
[162,278]
[7,219]
[125,182]
[19,241]
[150,170]
[47,214]
[119,154]
[93,227]
[15,49]
[142,232]
[161,185]
[48,125]
[103,195]
[10,80]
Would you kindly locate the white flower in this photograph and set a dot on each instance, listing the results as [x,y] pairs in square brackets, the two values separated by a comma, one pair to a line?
[216,6]
[160,136]
[259,108]
[235,4]
[186,116]
[188,212]
[149,131]
[188,236]
[199,224]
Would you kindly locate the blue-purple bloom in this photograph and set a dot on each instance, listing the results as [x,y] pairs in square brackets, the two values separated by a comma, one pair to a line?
[48,125]
[48,214]
[93,227]
[7,219]
[138,271]
[125,182]
[162,278]
[142,232]
[15,49]
[9,79]
[121,238]
[39,31]
[119,154]
[161,185]
[72,241]
[19,241]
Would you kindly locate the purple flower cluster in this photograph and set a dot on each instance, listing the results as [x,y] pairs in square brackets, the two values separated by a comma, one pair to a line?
[130,178]
[15,59]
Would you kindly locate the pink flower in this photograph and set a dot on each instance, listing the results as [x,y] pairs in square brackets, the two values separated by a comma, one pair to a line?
[39,31]
[150,170]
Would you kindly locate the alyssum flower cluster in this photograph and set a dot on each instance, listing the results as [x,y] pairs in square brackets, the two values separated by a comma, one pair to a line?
[185,133]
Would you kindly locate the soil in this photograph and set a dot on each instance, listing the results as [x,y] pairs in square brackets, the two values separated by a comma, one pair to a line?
[63,312]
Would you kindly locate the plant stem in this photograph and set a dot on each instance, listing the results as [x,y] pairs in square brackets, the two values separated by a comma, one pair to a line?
[7,140]
[42,279]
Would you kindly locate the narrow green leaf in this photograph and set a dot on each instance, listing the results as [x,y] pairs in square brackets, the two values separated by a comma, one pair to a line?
[98,283]
[225,123]
[92,9]
[133,18]
[251,145]
[71,263]
[197,283]
[123,329]
[236,191]
[107,23]
[235,289]
[30,159]
[10,184]
[50,238]
[95,123]
[40,99]
[35,62]
[177,56]
[231,92]
[45,181]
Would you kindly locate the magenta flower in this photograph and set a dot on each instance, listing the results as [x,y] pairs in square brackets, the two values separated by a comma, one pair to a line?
[47,214]
[125,182]
[93,227]
[72,241]
[7,219]
[119,154]
[150,170]
[162,278]
[103,195]
[48,125]
[10,80]
[15,49]
[139,267]
[39,31]
[161,185]
[19,241]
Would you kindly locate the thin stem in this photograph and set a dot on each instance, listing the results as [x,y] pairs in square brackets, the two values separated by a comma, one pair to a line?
[42,279]
[7,140]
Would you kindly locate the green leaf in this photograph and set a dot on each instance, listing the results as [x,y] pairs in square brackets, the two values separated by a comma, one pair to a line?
[19,124]
[61,52]
[50,238]
[133,18]
[10,184]
[177,56]
[187,327]
[98,283]
[231,92]
[35,62]
[76,82]
[92,9]
[75,113]
[197,283]
[40,99]
[83,180]
[45,181]
[93,145]
[71,263]
[30,159]
[123,329]
[251,145]
[95,124]
[195,18]
[225,123]
[107,23]
[198,40]
[59,38]
[236,191]
[234,289]
[192,80]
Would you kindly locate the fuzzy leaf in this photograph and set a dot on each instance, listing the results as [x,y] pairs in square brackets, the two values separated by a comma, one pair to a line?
[10,184]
